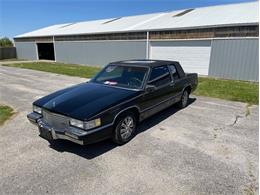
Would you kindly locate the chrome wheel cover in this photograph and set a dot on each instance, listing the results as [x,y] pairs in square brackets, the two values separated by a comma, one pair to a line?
[127,127]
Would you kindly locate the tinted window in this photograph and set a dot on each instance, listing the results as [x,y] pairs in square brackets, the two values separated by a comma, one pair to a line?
[159,76]
[174,72]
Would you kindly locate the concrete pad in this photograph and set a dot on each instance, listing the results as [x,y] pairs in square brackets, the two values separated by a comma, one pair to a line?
[210,147]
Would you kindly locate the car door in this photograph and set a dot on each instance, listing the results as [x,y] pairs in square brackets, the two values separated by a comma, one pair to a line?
[157,99]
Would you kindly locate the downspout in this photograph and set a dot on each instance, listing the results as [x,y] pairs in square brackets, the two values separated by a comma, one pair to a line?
[36,50]
[53,40]
[147,45]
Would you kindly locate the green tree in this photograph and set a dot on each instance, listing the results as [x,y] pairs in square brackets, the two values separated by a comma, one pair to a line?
[6,42]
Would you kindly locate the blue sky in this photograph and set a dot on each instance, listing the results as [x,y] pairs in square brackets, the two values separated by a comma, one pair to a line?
[20,16]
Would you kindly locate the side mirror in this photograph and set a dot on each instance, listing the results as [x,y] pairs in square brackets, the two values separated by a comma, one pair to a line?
[150,88]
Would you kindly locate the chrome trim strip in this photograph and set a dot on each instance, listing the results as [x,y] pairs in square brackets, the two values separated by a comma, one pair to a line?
[33,117]
[53,133]
[33,122]
[61,136]
[159,103]
[160,87]
[113,86]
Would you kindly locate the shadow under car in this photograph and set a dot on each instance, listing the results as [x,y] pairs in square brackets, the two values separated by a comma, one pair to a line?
[94,150]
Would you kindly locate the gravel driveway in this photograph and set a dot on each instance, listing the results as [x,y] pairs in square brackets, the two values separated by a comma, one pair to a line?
[210,147]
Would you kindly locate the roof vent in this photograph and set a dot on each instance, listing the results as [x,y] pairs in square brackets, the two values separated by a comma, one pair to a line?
[66,25]
[183,12]
[111,20]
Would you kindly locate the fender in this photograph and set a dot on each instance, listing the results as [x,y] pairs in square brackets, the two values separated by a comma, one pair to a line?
[128,108]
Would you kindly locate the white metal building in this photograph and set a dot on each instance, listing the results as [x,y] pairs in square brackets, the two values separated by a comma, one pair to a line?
[220,41]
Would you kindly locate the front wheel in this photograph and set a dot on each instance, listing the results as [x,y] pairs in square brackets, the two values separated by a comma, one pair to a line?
[184,99]
[125,128]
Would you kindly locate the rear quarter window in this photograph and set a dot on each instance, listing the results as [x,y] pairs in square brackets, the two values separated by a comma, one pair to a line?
[159,76]
[174,72]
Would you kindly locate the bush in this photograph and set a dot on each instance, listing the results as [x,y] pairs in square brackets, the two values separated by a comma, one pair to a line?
[6,42]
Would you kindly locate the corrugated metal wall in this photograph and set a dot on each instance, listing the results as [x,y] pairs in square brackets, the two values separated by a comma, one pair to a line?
[26,50]
[235,59]
[229,58]
[98,52]
[7,52]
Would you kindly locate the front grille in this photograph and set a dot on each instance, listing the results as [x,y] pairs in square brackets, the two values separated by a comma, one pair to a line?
[57,121]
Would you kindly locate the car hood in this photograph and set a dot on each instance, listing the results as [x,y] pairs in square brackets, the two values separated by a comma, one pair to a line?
[85,100]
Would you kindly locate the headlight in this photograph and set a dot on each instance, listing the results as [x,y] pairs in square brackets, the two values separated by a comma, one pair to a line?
[77,123]
[85,125]
[37,109]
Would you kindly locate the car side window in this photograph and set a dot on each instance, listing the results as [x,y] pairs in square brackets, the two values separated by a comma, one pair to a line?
[159,76]
[174,72]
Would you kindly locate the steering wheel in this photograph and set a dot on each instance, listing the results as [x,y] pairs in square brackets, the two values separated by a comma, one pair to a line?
[133,81]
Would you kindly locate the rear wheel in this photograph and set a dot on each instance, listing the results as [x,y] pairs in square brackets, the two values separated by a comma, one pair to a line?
[125,128]
[184,99]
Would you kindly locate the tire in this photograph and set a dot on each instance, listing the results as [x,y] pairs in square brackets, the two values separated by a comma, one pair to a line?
[184,99]
[125,128]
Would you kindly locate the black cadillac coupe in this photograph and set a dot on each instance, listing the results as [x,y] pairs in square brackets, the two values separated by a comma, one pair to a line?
[112,103]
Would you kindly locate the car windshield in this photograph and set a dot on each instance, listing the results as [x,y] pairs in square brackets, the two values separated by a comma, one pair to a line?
[122,76]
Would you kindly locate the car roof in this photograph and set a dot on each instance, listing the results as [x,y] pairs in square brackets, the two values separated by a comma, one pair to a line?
[144,62]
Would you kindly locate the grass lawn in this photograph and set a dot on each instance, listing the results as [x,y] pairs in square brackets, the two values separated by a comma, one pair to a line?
[5,113]
[225,89]
[241,91]
[59,68]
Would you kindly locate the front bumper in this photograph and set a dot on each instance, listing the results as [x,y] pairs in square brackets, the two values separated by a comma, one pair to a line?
[72,134]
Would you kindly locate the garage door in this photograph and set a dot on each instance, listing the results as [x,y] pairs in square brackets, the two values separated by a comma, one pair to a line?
[194,56]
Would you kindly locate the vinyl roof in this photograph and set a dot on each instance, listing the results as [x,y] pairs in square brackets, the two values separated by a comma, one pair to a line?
[144,62]
[214,16]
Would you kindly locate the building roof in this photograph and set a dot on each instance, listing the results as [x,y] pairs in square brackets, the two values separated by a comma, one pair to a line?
[214,16]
